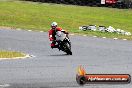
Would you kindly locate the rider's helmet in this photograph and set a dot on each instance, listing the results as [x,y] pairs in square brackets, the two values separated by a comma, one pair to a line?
[53,25]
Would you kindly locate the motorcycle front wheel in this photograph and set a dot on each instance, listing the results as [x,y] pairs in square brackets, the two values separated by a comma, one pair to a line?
[68,49]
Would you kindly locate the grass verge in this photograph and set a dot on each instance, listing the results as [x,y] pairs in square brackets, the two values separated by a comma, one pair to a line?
[10,54]
[38,16]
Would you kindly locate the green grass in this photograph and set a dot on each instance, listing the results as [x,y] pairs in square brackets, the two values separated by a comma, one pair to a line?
[9,0]
[10,54]
[38,16]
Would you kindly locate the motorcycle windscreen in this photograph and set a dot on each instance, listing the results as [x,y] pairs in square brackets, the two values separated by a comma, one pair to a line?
[60,36]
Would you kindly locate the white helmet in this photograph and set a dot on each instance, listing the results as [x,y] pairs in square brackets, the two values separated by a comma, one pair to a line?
[54,24]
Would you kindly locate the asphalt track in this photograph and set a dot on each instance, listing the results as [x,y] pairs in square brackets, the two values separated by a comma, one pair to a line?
[53,69]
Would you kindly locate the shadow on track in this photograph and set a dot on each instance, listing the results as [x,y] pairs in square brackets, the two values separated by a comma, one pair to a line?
[59,55]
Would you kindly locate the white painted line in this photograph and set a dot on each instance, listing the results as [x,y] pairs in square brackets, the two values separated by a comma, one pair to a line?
[124,39]
[4,85]
[94,36]
[29,30]
[103,37]
[26,56]
[18,29]
[84,35]
[32,56]
[115,38]
[41,31]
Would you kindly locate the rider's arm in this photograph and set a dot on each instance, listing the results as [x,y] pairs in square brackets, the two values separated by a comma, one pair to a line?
[50,35]
[60,29]
[64,31]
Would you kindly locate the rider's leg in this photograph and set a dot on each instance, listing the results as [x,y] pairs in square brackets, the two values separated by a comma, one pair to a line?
[53,45]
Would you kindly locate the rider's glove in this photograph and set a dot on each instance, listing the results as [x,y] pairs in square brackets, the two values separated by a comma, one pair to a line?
[53,41]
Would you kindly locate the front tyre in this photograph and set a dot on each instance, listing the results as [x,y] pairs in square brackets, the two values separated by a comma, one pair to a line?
[68,48]
[69,53]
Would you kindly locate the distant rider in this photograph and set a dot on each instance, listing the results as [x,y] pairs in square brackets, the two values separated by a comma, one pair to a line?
[52,33]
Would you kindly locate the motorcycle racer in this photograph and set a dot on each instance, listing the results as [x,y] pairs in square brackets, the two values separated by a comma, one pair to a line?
[52,33]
